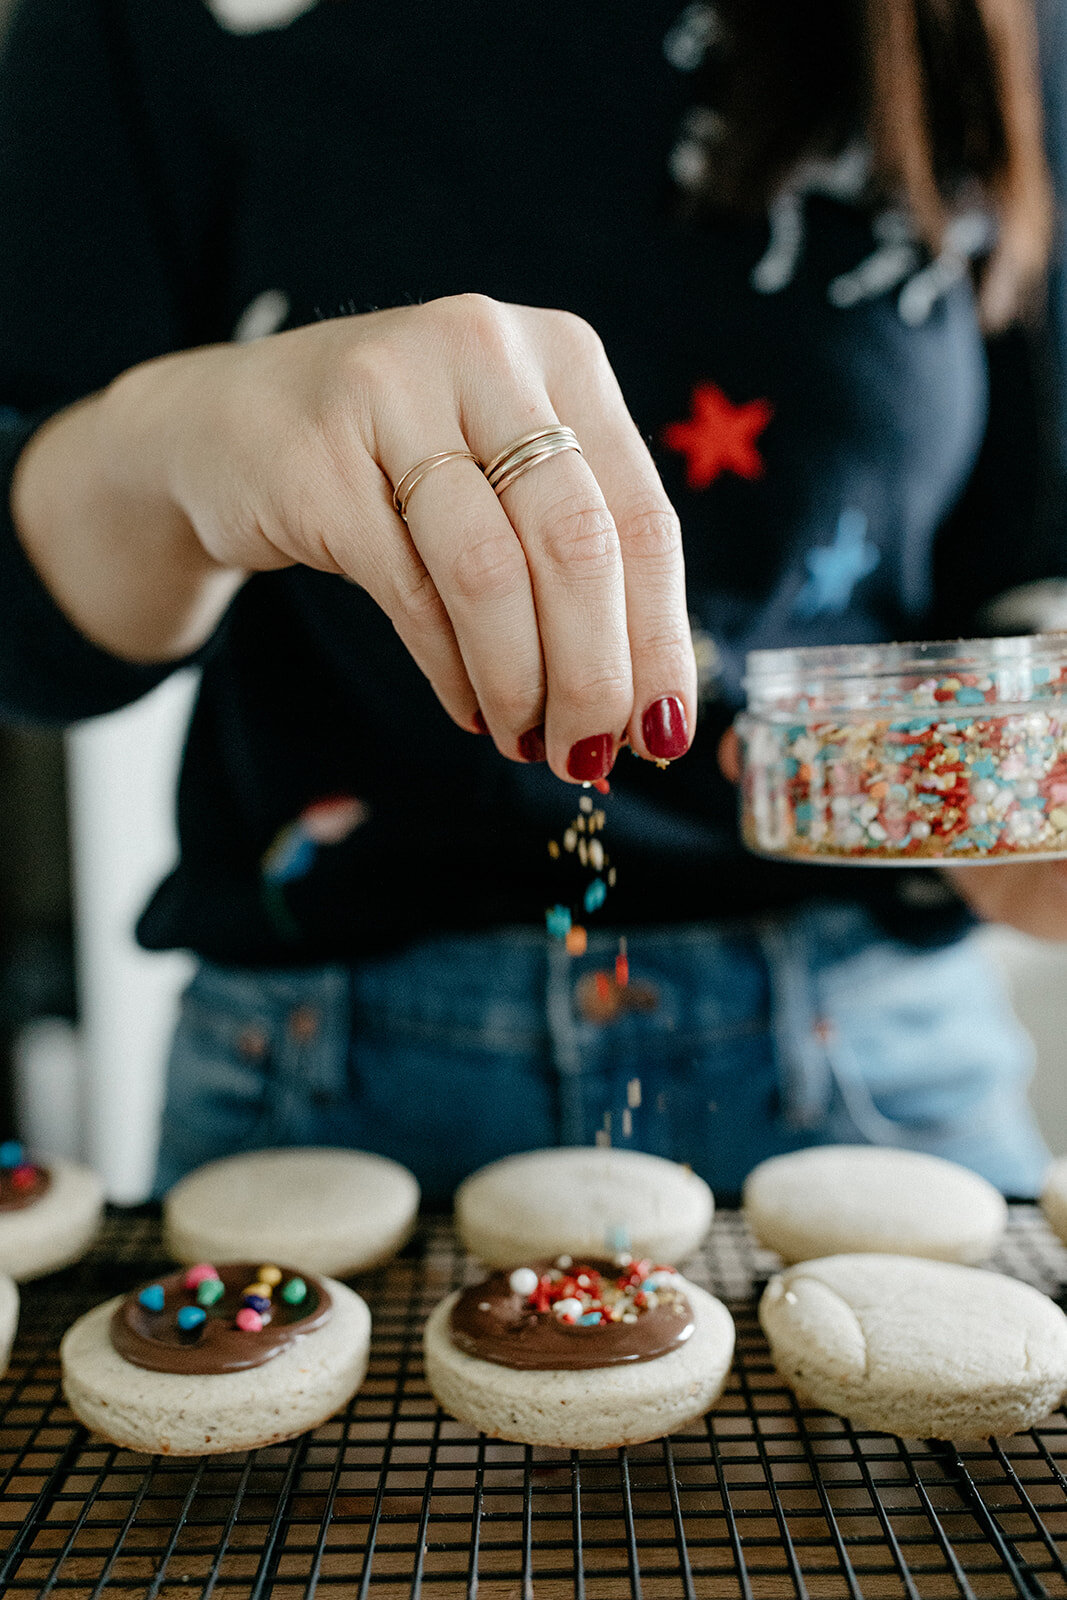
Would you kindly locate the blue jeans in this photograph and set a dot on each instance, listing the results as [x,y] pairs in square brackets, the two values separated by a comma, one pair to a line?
[811,1028]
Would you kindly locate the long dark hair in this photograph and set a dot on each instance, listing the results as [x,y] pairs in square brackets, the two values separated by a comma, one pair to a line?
[946,91]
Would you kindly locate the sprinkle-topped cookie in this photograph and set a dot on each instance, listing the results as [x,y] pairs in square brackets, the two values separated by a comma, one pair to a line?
[210,1319]
[565,1315]
[22,1182]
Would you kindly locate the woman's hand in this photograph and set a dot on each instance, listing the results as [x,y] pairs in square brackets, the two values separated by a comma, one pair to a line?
[556,612]
[1028,895]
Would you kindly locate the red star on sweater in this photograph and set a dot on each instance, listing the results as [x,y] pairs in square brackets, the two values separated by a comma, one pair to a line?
[721,437]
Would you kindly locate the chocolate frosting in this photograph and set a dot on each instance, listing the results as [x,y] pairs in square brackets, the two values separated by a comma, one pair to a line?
[154,1340]
[491,1321]
[17,1196]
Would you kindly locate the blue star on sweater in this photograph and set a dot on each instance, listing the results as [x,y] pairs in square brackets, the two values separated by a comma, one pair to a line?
[835,569]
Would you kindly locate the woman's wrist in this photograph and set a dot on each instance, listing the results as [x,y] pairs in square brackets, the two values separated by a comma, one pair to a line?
[93,509]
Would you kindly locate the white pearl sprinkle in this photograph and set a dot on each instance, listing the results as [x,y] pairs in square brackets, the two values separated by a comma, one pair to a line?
[524,1281]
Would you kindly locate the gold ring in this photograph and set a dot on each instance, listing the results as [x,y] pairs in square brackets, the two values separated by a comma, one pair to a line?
[415,474]
[522,454]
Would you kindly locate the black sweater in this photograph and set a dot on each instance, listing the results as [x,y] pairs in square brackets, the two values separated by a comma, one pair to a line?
[159,174]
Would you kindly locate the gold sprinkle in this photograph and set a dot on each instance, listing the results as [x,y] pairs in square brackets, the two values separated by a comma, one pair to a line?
[662,764]
[553,849]
[570,840]
[583,852]
[611,878]
[579,823]
[596,854]
[633,1093]
[585,804]
[627,1124]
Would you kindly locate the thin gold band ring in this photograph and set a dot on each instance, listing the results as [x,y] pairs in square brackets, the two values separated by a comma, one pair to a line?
[415,475]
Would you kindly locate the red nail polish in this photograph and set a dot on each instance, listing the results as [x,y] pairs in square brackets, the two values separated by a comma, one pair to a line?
[593,758]
[532,744]
[480,724]
[665,729]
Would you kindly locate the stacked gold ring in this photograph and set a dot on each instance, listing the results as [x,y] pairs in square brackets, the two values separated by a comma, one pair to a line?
[522,454]
[415,474]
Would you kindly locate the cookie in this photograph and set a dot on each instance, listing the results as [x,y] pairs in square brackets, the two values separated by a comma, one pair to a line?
[579,1355]
[927,1349]
[1054,1198]
[336,1211]
[584,1202]
[9,1318]
[839,1198]
[49,1212]
[189,1366]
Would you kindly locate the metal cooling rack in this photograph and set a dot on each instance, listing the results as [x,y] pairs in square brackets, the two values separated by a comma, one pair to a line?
[761,1499]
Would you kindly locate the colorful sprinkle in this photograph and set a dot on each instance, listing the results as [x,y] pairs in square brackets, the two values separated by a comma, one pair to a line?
[524,1281]
[10,1154]
[261,1290]
[577,940]
[198,1275]
[558,922]
[210,1291]
[295,1292]
[24,1177]
[595,895]
[249,1321]
[190,1318]
[258,1303]
[270,1275]
[152,1298]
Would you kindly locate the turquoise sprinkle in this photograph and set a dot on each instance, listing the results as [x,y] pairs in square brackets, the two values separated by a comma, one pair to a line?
[10,1154]
[595,895]
[152,1297]
[210,1292]
[986,768]
[970,697]
[190,1317]
[295,1292]
[558,921]
[589,1320]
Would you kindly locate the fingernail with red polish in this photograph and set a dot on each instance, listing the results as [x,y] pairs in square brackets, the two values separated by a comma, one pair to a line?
[532,744]
[480,724]
[593,758]
[665,729]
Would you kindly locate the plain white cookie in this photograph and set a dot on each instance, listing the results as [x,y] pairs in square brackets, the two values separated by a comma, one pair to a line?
[838,1198]
[1054,1198]
[58,1228]
[9,1318]
[190,1415]
[927,1349]
[592,1410]
[582,1202]
[336,1211]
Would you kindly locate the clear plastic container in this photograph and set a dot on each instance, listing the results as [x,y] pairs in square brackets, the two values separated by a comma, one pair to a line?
[889,755]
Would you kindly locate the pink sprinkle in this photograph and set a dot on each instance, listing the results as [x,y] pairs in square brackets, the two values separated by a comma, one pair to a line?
[197,1275]
[249,1321]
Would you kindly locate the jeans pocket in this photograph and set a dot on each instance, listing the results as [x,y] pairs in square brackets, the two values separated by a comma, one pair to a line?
[219,1085]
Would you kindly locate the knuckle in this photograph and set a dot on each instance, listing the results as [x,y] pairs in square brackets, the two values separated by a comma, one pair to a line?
[477,320]
[651,533]
[516,705]
[581,538]
[485,567]
[609,695]
[416,605]
[581,335]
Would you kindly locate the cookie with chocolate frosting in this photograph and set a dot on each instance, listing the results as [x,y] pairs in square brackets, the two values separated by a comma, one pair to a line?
[212,1359]
[584,1353]
[50,1211]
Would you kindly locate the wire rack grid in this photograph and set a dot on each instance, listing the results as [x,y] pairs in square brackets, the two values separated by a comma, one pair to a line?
[762,1499]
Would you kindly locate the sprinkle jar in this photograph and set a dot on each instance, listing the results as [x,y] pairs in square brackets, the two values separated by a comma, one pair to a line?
[892,754]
